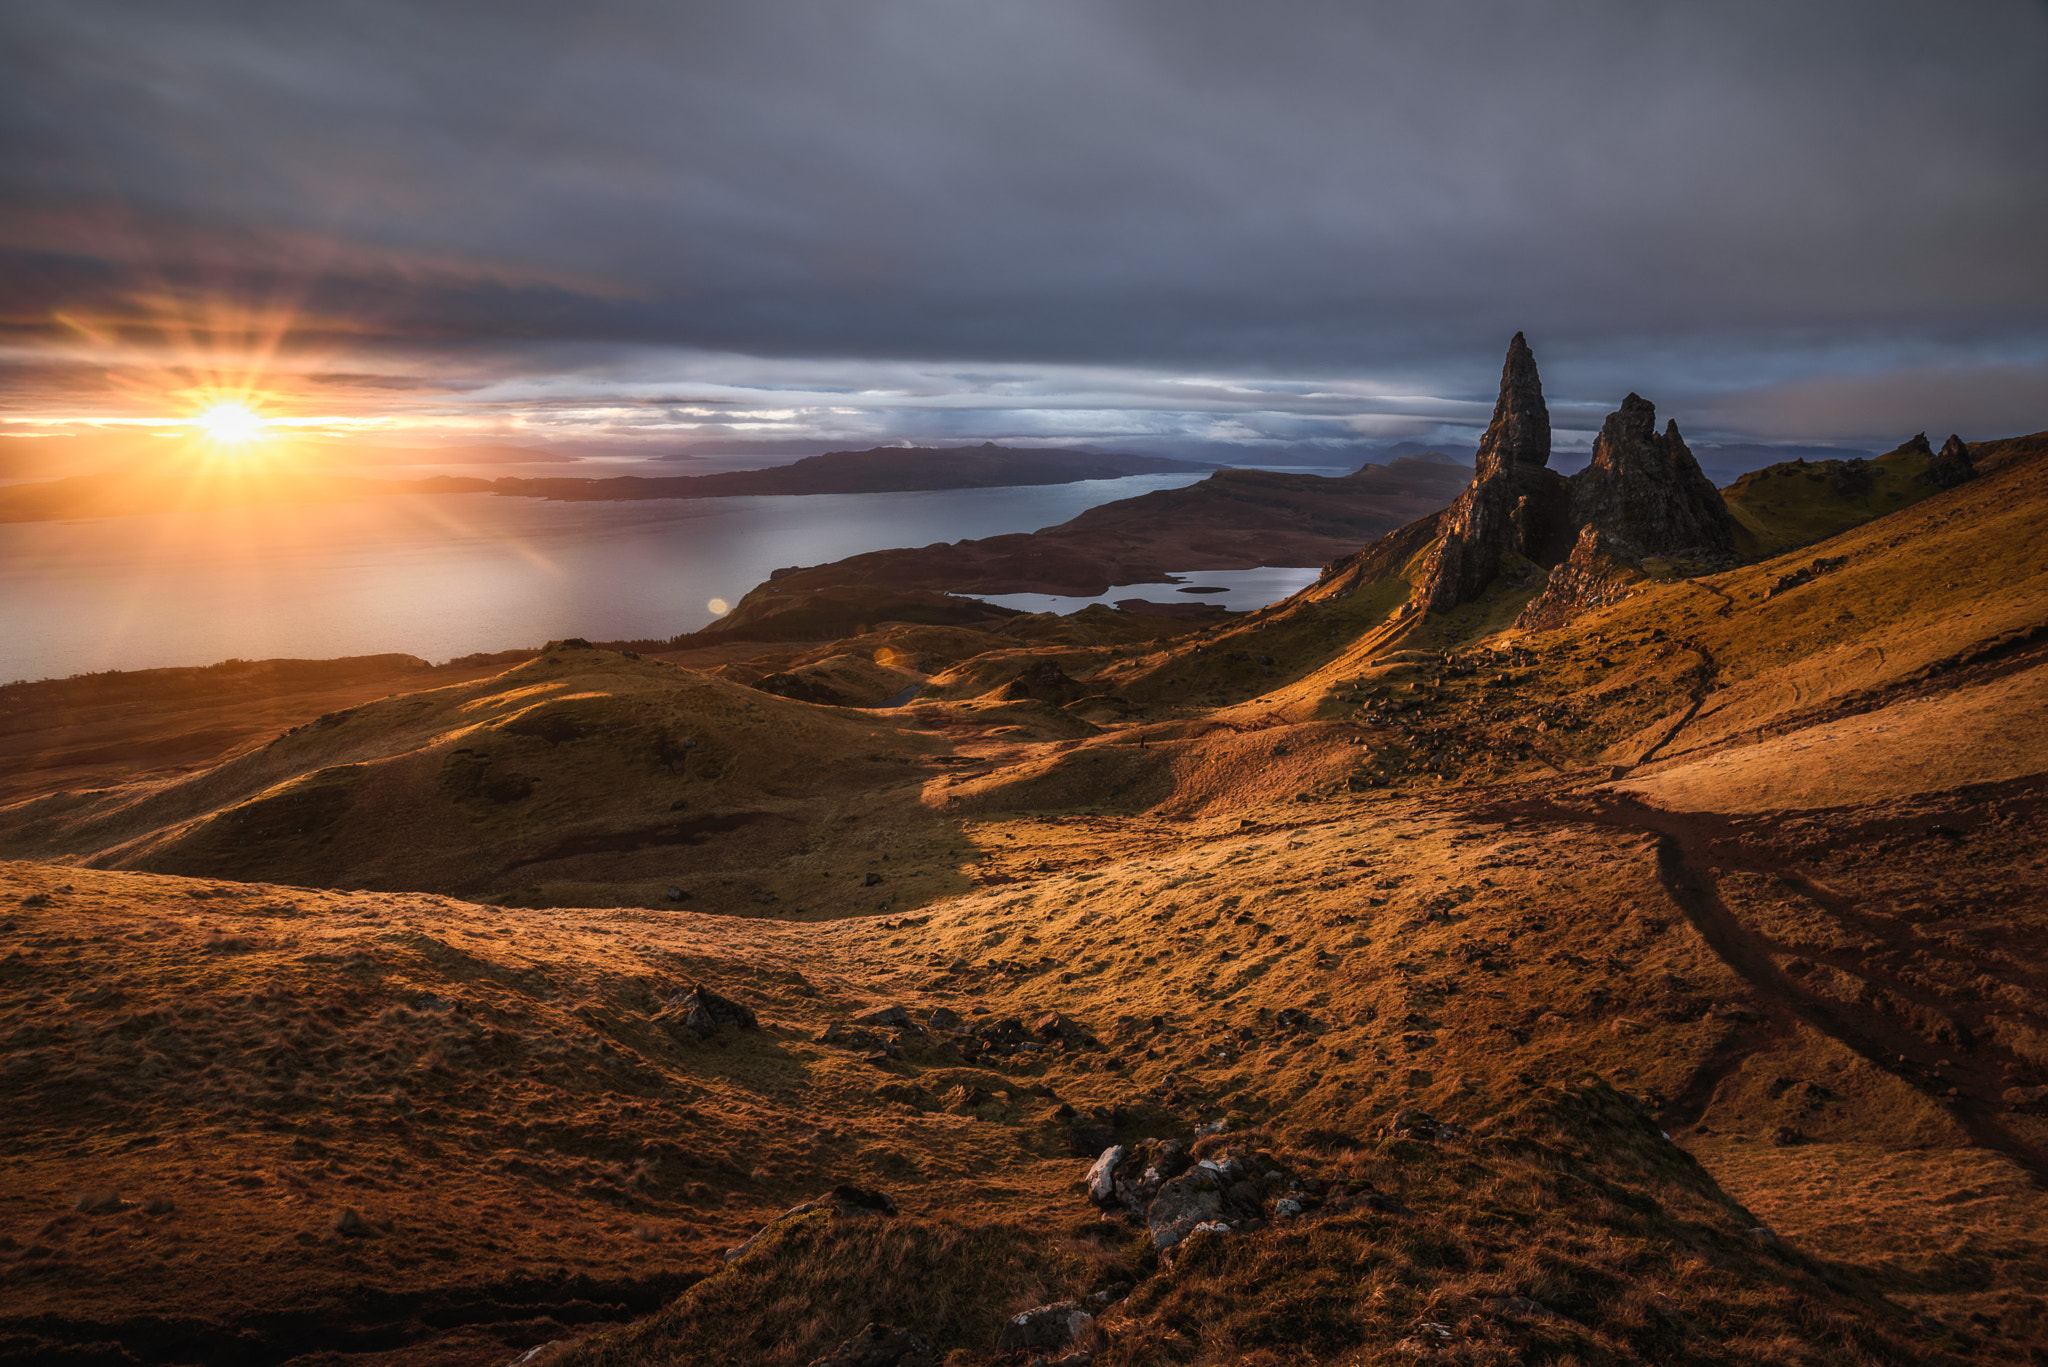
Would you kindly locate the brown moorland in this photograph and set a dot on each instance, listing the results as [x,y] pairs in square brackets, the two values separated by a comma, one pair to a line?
[1666,986]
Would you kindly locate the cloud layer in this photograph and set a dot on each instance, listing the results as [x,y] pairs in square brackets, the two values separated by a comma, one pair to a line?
[1083,220]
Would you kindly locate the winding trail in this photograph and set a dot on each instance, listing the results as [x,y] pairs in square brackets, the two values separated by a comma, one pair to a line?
[1709,675]
[1688,845]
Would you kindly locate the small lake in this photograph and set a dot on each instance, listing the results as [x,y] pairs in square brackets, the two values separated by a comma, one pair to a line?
[450,574]
[1237,590]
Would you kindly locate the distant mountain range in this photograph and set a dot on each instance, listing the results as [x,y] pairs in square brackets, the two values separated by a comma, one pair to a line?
[884,469]
[878,470]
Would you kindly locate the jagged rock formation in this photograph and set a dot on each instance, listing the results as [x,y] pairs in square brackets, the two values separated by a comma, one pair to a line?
[1643,495]
[1514,503]
[1597,573]
[1952,466]
[1645,487]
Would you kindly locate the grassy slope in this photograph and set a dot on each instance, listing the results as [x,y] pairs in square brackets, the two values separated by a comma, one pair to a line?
[1796,503]
[534,1148]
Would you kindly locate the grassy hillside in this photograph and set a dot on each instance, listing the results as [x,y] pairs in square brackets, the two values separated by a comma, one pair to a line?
[1663,988]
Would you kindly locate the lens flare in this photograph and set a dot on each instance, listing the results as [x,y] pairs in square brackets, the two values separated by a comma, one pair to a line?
[230,423]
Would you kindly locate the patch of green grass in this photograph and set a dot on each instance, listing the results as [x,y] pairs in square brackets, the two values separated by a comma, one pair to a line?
[1797,503]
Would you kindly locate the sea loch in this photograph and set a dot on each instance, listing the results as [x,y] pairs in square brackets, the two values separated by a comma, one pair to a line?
[446,575]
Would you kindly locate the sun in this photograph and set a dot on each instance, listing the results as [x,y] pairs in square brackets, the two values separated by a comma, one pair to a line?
[230,423]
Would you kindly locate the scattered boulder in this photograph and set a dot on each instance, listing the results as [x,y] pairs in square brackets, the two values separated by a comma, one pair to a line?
[852,1037]
[350,1224]
[1209,1193]
[1101,1178]
[885,1017]
[883,1345]
[1788,582]
[1059,1029]
[1046,1327]
[1145,1169]
[701,1013]
[1008,1036]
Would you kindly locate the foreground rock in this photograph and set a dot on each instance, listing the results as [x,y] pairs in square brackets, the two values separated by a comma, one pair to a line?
[701,1013]
[1048,1327]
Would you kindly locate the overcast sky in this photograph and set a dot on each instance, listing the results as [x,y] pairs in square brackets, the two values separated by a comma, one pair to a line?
[1281,225]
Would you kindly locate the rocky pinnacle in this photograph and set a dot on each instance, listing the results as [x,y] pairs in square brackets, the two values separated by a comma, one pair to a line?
[1514,502]
[1520,431]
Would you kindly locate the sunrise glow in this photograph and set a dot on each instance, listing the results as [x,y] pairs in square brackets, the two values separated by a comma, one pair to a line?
[230,423]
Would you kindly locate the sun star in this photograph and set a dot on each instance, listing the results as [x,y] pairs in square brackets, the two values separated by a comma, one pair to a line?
[230,422]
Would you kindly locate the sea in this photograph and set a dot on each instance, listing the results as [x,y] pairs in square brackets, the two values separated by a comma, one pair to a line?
[446,575]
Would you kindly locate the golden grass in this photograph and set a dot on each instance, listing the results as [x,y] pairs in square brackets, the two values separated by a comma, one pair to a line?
[202,1074]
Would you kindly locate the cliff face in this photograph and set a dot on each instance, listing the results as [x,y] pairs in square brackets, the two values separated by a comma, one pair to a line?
[1642,495]
[1515,502]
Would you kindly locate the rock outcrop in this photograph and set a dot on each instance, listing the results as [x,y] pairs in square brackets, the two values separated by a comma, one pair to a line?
[1643,495]
[701,1013]
[1951,465]
[1515,502]
[1048,1327]
[1645,487]
[1597,573]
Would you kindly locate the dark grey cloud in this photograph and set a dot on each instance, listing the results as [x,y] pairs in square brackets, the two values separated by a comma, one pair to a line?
[1726,207]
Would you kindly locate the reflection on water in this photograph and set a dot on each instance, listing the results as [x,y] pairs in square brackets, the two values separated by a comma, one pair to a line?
[1242,590]
[447,574]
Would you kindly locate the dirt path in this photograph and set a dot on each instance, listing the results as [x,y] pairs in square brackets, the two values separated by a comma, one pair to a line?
[1690,845]
[1709,674]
